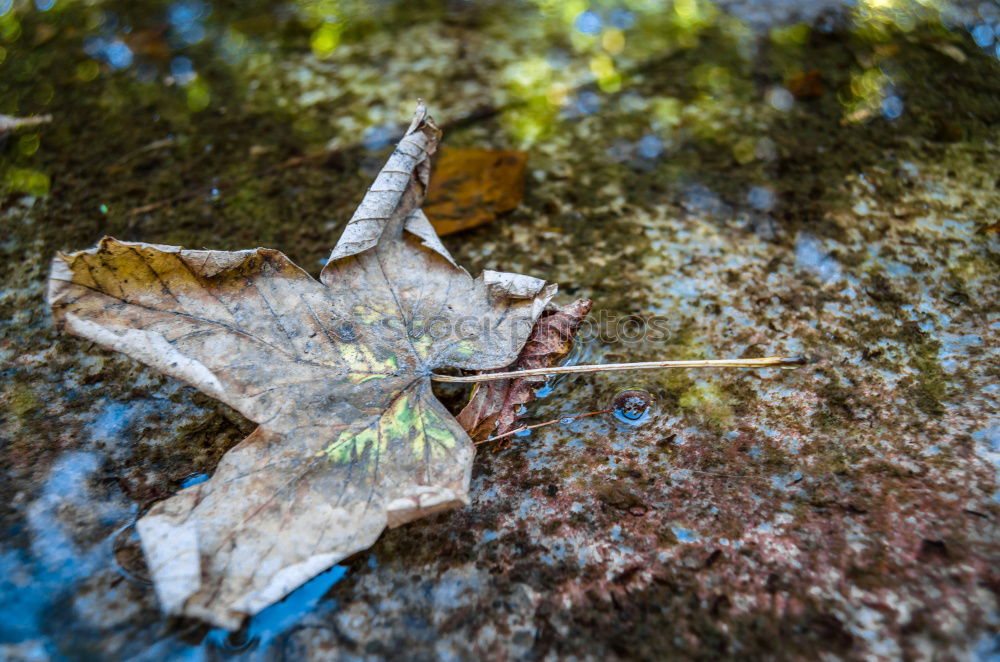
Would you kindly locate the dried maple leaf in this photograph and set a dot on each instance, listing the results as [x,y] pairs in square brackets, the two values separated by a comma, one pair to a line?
[471,186]
[493,407]
[336,373]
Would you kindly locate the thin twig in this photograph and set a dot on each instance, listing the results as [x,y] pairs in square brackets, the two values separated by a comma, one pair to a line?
[524,428]
[766,362]
[712,473]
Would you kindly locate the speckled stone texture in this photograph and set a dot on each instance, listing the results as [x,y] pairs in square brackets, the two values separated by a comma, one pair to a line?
[712,205]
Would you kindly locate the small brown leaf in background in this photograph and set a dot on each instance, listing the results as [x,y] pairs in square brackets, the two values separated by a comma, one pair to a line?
[44,33]
[493,407]
[472,186]
[151,43]
[806,84]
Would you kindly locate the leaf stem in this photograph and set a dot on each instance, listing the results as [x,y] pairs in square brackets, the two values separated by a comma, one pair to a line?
[765,362]
[538,425]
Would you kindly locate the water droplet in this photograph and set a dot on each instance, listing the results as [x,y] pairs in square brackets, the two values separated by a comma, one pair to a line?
[632,406]
[566,421]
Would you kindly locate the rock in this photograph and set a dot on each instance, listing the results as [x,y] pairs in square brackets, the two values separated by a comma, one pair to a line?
[847,507]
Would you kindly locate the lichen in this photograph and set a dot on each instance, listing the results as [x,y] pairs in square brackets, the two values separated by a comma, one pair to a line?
[708,403]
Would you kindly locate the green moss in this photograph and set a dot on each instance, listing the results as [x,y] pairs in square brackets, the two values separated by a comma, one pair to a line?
[837,408]
[968,268]
[709,402]
[883,292]
[23,402]
[930,387]
[618,495]
[927,387]
[742,394]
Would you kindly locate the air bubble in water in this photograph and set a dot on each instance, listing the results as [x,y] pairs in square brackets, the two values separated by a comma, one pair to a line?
[632,406]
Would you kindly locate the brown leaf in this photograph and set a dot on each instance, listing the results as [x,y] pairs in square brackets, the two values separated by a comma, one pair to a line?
[44,33]
[151,42]
[806,84]
[473,186]
[493,407]
[335,372]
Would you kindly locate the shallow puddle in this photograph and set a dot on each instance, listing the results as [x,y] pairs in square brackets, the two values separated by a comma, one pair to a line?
[732,179]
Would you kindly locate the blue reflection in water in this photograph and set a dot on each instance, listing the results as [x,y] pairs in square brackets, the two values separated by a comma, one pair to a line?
[117,54]
[684,535]
[33,579]
[112,51]
[194,479]
[761,198]
[631,419]
[811,255]
[266,626]
[186,19]
[377,137]
[588,22]
[649,146]
[892,107]
[111,424]
[632,406]
[587,103]
[182,69]
[622,19]
[983,35]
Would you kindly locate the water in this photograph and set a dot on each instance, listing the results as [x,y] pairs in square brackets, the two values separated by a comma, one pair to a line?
[723,179]
[632,406]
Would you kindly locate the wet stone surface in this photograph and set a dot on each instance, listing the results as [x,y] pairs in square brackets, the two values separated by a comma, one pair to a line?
[720,180]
